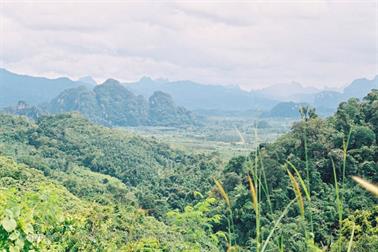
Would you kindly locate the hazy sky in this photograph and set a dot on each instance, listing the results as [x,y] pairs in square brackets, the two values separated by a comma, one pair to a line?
[248,43]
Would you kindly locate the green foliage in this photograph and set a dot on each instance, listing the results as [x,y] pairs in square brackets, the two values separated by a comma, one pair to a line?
[61,146]
[36,213]
[363,225]
[362,136]
[196,224]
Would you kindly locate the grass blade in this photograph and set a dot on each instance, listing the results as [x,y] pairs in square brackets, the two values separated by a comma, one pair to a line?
[276,224]
[345,152]
[255,202]
[338,201]
[351,239]
[265,186]
[306,157]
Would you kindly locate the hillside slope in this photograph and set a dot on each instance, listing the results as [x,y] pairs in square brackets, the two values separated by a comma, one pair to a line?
[38,213]
[57,143]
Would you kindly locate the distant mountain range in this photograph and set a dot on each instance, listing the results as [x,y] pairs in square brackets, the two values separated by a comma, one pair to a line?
[88,80]
[326,100]
[196,96]
[33,90]
[292,91]
[209,99]
[204,99]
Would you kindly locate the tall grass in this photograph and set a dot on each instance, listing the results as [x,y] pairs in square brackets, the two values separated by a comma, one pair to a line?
[298,184]
[339,193]
[339,204]
[345,152]
[300,201]
[281,245]
[351,238]
[308,180]
[261,173]
[261,185]
[255,203]
[265,185]
[230,220]
[223,192]
[303,184]
[297,192]
[258,187]
[306,157]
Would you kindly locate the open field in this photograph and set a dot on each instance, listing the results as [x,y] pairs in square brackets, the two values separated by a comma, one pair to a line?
[228,136]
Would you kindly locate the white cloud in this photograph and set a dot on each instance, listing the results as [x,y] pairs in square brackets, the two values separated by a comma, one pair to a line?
[252,44]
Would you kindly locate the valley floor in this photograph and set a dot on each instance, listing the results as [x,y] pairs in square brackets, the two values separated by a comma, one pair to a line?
[228,136]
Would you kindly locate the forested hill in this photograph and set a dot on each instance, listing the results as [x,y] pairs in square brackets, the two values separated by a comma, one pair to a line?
[83,187]
[69,185]
[285,109]
[321,155]
[111,104]
[83,211]
[56,143]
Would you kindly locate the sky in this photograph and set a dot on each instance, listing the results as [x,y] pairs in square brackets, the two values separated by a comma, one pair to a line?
[252,44]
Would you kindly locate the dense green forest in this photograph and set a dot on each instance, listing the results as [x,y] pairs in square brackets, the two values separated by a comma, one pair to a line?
[67,184]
